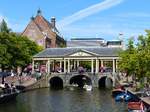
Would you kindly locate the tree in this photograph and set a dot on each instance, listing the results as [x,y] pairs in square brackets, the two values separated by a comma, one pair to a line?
[16,50]
[4,27]
[143,49]
[5,56]
[128,59]
[135,60]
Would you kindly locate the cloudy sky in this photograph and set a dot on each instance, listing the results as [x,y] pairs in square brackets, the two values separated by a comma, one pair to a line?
[82,18]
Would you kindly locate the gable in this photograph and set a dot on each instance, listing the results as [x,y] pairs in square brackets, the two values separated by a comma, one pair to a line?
[32,31]
[81,53]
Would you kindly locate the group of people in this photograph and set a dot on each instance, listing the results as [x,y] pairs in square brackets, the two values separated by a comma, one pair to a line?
[7,89]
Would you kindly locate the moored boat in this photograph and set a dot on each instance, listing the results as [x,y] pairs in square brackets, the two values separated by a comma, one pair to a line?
[7,93]
[116,92]
[136,107]
[4,98]
[123,97]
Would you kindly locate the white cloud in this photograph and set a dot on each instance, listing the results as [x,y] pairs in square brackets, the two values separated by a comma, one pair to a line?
[3,17]
[106,30]
[89,11]
[16,26]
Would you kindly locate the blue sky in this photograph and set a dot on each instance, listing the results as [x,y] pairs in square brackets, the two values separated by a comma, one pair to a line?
[82,18]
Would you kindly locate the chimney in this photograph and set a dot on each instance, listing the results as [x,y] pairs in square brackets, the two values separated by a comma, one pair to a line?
[53,21]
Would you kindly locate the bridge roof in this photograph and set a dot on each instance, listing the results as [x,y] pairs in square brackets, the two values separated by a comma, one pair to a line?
[65,52]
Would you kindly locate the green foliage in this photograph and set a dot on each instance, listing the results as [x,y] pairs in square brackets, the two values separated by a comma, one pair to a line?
[136,58]
[86,64]
[62,45]
[3,27]
[16,50]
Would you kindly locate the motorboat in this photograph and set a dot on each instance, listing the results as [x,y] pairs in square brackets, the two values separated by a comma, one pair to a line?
[4,98]
[7,94]
[117,91]
[87,87]
[123,97]
[136,107]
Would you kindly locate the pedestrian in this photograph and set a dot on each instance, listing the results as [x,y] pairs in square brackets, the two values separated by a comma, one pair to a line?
[3,79]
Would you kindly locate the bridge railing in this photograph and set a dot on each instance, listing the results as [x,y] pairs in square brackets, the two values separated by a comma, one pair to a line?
[85,73]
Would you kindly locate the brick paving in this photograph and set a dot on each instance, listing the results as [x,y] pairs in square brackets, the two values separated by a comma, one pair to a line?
[22,80]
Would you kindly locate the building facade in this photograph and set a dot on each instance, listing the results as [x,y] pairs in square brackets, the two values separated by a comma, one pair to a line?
[43,32]
[94,42]
[69,59]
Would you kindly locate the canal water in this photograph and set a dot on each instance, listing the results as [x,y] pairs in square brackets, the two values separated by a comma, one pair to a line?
[77,100]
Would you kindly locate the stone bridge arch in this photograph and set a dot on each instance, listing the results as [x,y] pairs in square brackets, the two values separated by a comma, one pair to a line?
[94,80]
[80,80]
[106,81]
[56,81]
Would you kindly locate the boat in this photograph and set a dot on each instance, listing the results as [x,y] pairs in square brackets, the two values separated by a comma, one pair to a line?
[117,91]
[136,107]
[4,98]
[73,86]
[123,97]
[21,88]
[87,87]
[7,93]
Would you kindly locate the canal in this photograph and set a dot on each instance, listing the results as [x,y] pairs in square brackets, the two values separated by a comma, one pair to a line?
[77,100]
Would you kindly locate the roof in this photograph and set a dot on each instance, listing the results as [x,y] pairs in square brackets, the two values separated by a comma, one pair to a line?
[114,42]
[87,43]
[43,25]
[87,39]
[64,52]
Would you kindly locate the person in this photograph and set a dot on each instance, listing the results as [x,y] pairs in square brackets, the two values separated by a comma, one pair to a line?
[12,73]
[7,89]
[80,69]
[13,88]
[19,79]
[3,79]
[101,69]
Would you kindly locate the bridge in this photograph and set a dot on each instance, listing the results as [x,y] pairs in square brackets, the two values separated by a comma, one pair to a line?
[68,79]
[61,80]
[69,61]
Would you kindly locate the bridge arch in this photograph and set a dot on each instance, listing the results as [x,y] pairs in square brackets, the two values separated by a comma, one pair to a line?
[105,82]
[80,80]
[56,82]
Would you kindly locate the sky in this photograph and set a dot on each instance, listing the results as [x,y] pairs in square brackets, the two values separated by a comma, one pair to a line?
[82,18]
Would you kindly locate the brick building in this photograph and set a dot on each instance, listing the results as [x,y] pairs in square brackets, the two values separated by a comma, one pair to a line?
[43,32]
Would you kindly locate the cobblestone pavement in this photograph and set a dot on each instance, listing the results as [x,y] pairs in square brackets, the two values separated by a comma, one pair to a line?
[23,80]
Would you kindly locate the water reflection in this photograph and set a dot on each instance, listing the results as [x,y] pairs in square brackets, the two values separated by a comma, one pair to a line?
[46,100]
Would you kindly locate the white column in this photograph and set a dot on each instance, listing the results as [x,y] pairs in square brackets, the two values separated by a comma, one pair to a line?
[53,65]
[78,63]
[116,65]
[32,66]
[97,66]
[113,65]
[60,66]
[102,63]
[64,66]
[92,67]
[74,64]
[48,66]
[114,73]
[68,66]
